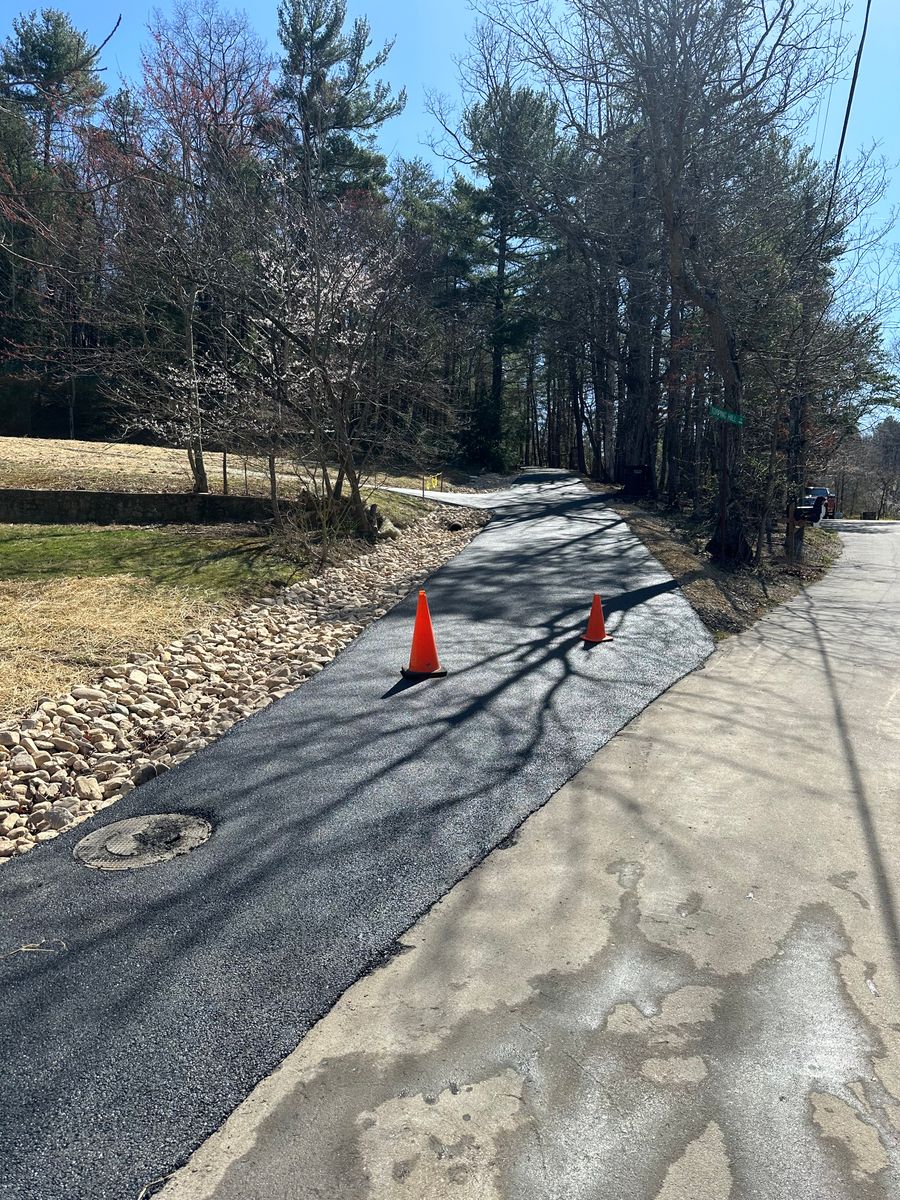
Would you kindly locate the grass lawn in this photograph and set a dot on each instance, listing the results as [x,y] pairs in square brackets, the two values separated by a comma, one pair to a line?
[76,598]
[204,561]
[127,467]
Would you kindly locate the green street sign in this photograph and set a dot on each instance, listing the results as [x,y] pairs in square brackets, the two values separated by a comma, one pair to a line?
[722,414]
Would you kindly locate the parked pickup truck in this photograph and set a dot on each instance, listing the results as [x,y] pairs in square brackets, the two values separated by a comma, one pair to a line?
[813,493]
[811,511]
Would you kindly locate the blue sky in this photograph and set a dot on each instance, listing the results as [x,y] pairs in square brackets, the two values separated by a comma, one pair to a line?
[431,34]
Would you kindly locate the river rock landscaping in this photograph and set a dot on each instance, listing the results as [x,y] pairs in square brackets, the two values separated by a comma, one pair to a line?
[77,754]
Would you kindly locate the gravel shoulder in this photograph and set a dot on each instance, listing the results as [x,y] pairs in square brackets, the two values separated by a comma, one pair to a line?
[80,752]
[681,981]
[143,1006]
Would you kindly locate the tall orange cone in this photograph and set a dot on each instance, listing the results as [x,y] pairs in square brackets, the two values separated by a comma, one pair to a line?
[596,627]
[423,658]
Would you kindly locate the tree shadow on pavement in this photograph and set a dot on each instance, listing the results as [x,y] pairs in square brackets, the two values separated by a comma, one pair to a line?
[338,820]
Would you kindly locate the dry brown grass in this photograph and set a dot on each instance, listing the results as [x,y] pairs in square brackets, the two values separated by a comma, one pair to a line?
[56,463]
[115,466]
[59,632]
[75,599]
[727,601]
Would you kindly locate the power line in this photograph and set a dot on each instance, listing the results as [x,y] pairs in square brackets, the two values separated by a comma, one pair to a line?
[837,161]
[837,54]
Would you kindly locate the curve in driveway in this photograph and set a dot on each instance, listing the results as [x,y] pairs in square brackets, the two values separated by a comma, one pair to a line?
[340,814]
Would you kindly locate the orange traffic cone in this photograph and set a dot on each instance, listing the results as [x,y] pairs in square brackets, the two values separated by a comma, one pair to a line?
[423,658]
[596,627]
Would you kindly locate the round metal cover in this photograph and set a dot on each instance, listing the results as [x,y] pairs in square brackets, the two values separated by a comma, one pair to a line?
[142,841]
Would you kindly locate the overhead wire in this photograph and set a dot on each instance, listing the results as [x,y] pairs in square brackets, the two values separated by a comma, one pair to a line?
[847,111]
[818,141]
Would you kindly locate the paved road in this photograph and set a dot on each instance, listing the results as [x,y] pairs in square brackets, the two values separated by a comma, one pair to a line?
[160,997]
[681,983]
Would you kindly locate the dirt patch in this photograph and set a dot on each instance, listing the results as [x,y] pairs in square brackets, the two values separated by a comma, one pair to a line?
[727,601]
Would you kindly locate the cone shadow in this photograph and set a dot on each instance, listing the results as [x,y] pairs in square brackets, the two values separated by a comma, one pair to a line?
[403,685]
[585,645]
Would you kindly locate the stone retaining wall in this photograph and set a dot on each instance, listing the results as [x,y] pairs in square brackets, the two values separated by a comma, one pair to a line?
[39,507]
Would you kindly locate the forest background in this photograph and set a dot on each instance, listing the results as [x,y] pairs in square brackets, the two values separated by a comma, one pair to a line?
[629,246]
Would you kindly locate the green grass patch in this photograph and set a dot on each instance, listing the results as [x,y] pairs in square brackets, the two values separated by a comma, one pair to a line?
[402,510]
[211,564]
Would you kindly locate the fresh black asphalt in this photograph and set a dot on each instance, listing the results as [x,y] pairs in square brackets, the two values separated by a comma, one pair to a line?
[154,1000]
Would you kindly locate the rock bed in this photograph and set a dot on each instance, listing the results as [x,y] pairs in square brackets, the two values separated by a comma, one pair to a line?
[78,754]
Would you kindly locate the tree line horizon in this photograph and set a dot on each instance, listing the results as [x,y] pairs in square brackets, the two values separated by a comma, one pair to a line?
[636,267]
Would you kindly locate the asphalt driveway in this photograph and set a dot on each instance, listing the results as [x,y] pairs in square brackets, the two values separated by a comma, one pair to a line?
[680,983]
[156,999]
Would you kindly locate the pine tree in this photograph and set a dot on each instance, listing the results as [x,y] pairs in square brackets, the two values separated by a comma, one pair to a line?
[333,103]
[48,67]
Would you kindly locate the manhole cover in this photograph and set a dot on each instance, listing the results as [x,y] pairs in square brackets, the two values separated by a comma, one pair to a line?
[142,841]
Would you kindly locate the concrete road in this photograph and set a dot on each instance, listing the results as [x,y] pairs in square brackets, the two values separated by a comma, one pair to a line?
[139,1008]
[682,980]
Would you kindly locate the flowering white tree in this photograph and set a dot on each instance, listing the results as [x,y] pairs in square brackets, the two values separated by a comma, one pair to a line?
[333,335]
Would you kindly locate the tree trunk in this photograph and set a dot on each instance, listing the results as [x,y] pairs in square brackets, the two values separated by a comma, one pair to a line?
[273,490]
[553,447]
[195,443]
[575,398]
[670,473]
[797,412]
[634,421]
[730,543]
[492,432]
[633,467]
[339,483]
[764,529]
[357,504]
[795,468]
[882,503]
[699,432]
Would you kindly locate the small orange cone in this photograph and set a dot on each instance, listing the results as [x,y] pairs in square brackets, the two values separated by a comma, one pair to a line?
[423,658]
[596,628]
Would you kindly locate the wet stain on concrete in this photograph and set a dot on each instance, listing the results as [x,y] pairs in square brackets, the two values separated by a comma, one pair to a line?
[674,1071]
[691,905]
[620,1080]
[842,881]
